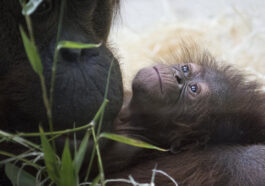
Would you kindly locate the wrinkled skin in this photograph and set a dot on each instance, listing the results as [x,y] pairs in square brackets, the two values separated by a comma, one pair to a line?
[81,75]
[209,118]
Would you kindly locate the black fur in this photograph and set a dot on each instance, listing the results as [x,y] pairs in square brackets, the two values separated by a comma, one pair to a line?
[81,75]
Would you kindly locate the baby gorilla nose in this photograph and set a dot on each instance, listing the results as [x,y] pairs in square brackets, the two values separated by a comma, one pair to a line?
[179,79]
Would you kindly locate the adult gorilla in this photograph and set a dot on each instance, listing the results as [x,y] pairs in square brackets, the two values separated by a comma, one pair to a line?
[81,74]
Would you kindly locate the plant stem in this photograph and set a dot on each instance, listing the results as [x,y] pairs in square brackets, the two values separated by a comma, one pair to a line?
[46,102]
[92,156]
[101,108]
[105,97]
[22,159]
[59,132]
[100,165]
[21,141]
[42,79]
[55,57]
[30,29]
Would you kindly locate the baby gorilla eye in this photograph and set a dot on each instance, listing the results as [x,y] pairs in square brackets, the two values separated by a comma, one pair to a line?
[194,88]
[185,68]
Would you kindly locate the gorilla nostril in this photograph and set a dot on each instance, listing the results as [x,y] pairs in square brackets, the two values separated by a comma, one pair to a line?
[74,55]
[70,54]
[92,52]
[178,78]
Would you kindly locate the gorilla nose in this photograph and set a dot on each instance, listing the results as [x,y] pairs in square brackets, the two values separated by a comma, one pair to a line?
[69,54]
[73,55]
[179,79]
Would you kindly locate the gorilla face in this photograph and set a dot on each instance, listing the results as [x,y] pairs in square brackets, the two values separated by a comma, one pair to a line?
[81,75]
[171,89]
[194,101]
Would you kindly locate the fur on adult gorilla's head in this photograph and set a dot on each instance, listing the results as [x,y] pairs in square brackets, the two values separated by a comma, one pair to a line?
[81,75]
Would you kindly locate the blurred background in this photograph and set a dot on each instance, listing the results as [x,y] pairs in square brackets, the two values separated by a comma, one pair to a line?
[146,31]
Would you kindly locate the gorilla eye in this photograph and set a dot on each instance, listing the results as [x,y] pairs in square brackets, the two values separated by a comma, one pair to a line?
[44,7]
[194,88]
[185,68]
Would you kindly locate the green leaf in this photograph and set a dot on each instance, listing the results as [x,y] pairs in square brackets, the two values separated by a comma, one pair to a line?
[67,172]
[130,141]
[31,6]
[18,176]
[78,160]
[50,159]
[18,139]
[32,53]
[76,45]
[96,181]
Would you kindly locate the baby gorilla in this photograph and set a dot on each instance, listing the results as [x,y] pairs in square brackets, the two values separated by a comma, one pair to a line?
[210,117]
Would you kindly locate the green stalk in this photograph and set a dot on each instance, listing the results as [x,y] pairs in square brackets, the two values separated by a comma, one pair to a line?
[100,165]
[42,79]
[99,126]
[90,163]
[59,132]
[56,52]
[105,97]
[22,159]
[98,114]
[46,102]
[103,105]
[22,141]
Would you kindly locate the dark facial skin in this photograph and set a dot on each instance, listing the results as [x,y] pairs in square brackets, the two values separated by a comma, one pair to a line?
[176,92]
[80,76]
[165,92]
[186,93]
[168,86]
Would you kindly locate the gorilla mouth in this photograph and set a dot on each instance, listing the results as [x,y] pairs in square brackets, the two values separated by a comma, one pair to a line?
[159,78]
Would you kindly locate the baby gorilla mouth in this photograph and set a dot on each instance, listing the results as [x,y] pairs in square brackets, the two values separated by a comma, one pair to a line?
[156,83]
[159,78]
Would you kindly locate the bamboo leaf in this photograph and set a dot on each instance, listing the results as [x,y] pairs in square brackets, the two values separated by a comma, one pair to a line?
[49,158]
[96,181]
[67,172]
[130,141]
[19,176]
[32,53]
[18,140]
[31,6]
[78,160]
[76,45]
